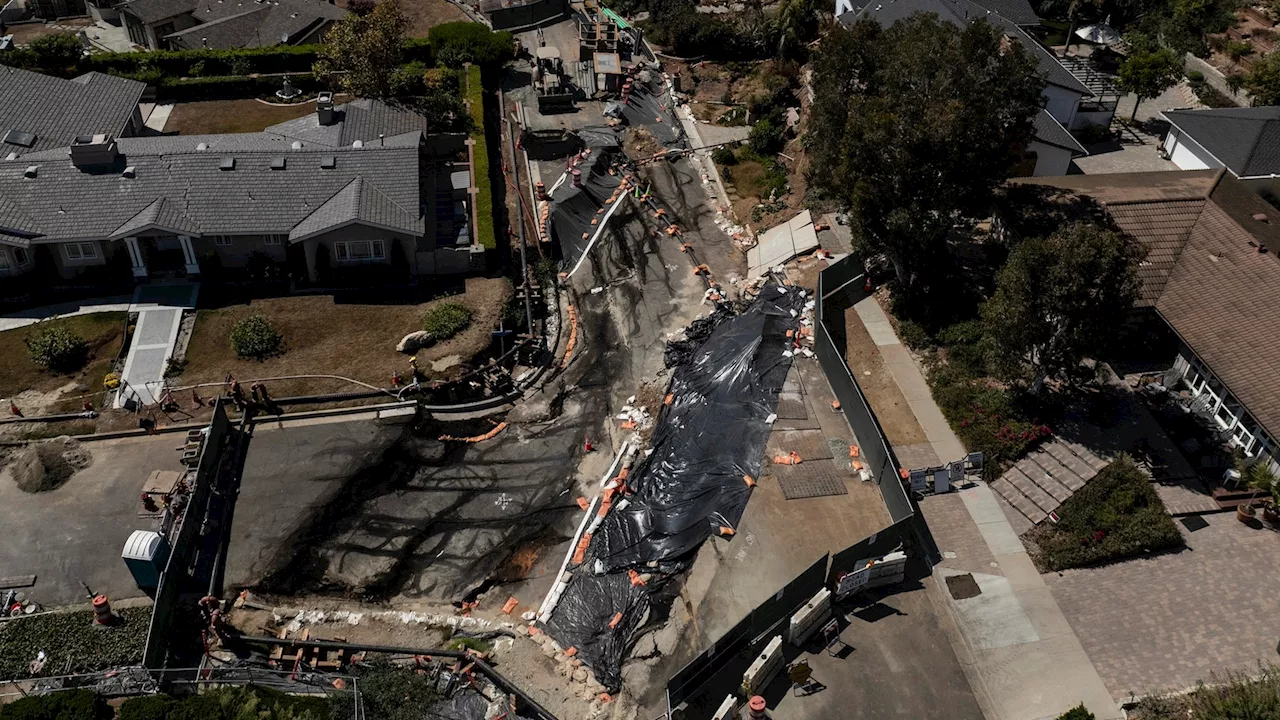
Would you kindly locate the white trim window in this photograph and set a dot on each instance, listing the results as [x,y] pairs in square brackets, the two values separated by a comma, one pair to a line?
[4,259]
[273,239]
[222,241]
[21,257]
[359,250]
[80,251]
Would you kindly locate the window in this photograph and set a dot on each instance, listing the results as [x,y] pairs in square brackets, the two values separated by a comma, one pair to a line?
[20,256]
[222,240]
[4,260]
[81,251]
[274,240]
[358,250]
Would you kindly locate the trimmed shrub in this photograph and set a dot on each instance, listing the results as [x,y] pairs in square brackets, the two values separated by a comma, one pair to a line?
[1079,712]
[56,348]
[193,63]
[1116,516]
[724,156]
[227,87]
[766,137]
[458,43]
[76,704]
[446,320]
[986,418]
[914,335]
[484,233]
[149,707]
[255,338]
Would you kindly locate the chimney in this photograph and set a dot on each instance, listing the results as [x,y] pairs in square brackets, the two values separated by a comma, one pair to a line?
[93,151]
[324,108]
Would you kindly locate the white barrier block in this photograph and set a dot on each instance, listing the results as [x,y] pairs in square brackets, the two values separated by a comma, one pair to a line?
[765,667]
[727,709]
[809,618]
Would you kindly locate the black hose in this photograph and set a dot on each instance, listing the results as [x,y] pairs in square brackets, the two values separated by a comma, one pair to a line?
[481,665]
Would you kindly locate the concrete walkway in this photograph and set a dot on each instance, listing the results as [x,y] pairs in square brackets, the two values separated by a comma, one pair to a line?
[31,316]
[159,116]
[159,309]
[1018,650]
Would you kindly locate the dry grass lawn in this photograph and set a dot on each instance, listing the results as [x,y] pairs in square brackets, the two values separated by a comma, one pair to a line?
[104,333]
[211,117]
[26,32]
[324,338]
[426,14]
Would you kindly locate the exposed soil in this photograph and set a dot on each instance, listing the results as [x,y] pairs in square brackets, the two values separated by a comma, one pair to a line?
[884,395]
[25,33]
[323,336]
[45,466]
[426,14]
[639,143]
[212,117]
[103,331]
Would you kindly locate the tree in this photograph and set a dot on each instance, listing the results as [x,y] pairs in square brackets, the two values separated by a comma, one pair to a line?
[1187,23]
[1149,71]
[458,43]
[57,54]
[1059,300]
[914,125]
[1075,8]
[362,52]
[1263,81]
[1235,81]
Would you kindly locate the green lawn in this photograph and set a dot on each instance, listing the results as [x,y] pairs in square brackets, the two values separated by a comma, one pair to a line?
[1116,516]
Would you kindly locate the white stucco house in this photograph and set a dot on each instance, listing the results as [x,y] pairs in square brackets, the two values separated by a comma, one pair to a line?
[1064,94]
[1245,141]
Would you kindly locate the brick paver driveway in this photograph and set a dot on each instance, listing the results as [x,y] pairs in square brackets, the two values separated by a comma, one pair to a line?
[1167,622]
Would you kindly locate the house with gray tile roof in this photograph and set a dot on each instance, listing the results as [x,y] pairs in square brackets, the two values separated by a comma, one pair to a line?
[41,112]
[222,24]
[1245,141]
[1053,147]
[136,208]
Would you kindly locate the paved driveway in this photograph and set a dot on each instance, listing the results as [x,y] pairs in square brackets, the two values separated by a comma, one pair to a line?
[1167,622]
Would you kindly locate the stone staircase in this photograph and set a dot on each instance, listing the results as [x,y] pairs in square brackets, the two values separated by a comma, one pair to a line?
[1038,483]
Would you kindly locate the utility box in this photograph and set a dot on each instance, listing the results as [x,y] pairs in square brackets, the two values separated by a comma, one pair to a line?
[145,553]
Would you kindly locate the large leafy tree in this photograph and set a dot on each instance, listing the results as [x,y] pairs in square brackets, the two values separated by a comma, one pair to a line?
[1149,70]
[362,52]
[56,54]
[1059,300]
[914,125]
[1263,81]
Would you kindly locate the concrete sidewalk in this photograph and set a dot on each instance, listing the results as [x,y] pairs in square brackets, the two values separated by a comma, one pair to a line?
[1018,650]
[31,316]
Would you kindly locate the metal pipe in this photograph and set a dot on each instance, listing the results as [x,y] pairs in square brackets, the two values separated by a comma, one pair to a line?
[484,667]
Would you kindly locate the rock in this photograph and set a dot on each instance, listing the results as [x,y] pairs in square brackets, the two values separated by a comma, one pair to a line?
[665,638]
[586,695]
[580,675]
[595,707]
[645,646]
[564,669]
[446,362]
[594,687]
[561,658]
[415,341]
[549,650]
[522,630]
[635,675]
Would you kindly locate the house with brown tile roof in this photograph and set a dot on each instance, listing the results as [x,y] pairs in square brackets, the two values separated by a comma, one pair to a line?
[1212,273]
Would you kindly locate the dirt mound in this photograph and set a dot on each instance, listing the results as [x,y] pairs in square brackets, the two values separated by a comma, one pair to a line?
[640,144]
[45,466]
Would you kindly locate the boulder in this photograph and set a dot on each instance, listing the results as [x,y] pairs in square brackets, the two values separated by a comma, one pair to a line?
[415,341]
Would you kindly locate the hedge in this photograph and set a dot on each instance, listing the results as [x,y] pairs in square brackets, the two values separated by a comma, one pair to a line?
[1116,516]
[231,87]
[484,233]
[239,61]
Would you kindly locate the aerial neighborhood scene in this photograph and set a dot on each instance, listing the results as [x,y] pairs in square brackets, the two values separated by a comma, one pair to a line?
[635,359]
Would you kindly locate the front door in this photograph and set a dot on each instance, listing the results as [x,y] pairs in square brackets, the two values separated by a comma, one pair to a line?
[164,257]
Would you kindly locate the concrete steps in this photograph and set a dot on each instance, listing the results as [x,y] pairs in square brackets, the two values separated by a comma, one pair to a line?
[1039,483]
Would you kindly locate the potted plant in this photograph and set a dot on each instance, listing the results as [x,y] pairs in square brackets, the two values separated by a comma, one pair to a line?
[1260,477]
[1245,512]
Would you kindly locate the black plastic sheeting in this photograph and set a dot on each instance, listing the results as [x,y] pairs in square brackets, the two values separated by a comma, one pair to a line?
[693,484]
[650,107]
[464,705]
[573,208]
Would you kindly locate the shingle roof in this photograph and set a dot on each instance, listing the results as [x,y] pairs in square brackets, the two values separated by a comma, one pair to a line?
[58,110]
[1204,272]
[362,120]
[358,201]
[247,23]
[1246,140]
[887,12]
[1050,131]
[179,187]
[151,11]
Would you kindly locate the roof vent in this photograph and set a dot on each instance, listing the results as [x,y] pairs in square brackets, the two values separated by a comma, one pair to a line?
[11,156]
[328,162]
[30,172]
[202,146]
[227,164]
[296,145]
[130,172]
[277,163]
[20,137]
[357,144]
[1261,217]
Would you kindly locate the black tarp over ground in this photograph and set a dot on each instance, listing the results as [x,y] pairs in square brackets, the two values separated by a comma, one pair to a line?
[706,442]
[574,208]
